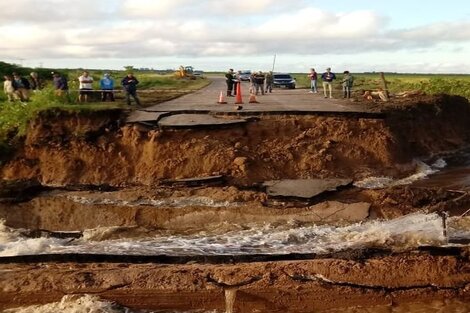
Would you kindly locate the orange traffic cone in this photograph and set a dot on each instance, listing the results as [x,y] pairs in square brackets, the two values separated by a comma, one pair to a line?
[221,98]
[252,98]
[239,100]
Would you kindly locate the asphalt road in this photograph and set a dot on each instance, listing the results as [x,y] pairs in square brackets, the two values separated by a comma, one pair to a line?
[280,100]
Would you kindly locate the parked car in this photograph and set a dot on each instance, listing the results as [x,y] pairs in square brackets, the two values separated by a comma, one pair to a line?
[245,75]
[284,80]
[198,73]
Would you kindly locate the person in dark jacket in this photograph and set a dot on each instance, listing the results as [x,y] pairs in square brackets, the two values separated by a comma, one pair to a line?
[35,81]
[129,83]
[347,83]
[328,78]
[259,83]
[229,81]
[21,86]
[60,84]
[269,82]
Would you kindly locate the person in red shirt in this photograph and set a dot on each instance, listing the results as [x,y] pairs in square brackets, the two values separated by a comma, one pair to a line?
[313,80]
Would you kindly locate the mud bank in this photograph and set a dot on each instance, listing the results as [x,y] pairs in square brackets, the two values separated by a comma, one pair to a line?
[299,286]
[182,209]
[72,148]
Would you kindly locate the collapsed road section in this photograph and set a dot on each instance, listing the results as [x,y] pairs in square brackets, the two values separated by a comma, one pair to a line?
[275,212]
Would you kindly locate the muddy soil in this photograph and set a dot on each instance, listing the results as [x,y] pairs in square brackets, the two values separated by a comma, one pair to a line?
[295,286]
[76,171]
[73,148]
[210,207]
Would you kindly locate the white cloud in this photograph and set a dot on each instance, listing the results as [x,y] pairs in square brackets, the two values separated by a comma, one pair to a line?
[152,8]
[312,24]
[438,32]
[54,11]
[246,7]
[130,29]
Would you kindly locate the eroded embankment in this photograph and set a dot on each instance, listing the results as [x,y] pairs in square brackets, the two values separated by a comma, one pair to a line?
[66,149]
[204,208]
[72,148]
[302,286]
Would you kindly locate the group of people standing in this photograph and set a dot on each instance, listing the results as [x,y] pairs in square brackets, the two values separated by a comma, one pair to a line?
[17,87]
[259,82]
[263,83]
[327,79]
[106,85]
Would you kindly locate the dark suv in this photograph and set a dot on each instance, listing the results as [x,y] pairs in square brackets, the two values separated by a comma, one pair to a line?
[283,80]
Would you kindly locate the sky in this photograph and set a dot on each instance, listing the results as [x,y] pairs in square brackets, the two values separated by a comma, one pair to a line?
[213,35]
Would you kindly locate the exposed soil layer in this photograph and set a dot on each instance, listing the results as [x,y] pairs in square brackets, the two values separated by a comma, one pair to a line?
[132,207]
[301,286]
[73,148]
[127,164]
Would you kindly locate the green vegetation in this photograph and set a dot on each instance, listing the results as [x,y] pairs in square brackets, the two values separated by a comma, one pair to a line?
[169,81]
[8,69]
[14,116]
[428,83]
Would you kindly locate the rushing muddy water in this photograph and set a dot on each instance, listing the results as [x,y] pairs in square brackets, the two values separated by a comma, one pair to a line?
[400,234]
[423,171]
[172,203]
[93,304]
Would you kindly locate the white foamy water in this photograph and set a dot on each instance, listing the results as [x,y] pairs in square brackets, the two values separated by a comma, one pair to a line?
[422,171]
[74,304]
[404,233]
[168,202]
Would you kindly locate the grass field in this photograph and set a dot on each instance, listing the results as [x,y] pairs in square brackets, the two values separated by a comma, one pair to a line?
[14,116]
[428,83]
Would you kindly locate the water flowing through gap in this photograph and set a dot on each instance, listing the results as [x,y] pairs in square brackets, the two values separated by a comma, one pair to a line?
[400,234]
[230,296]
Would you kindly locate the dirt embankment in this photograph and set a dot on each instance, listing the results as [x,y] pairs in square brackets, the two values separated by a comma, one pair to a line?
[75,148]
[295,286]
[154,208]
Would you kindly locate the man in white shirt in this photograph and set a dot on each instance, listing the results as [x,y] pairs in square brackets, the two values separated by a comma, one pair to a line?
[85,87]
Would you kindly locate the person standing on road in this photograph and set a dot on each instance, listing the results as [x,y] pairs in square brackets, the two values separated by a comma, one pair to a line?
[229,81]
[252,83]
[236,80]
[107,86]
[347,83]
[313,80]
[269,82]
[129,83]
[259,83]
[327,79]
[85,87]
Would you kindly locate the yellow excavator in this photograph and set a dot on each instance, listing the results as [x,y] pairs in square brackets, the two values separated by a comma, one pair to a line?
[185,72]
